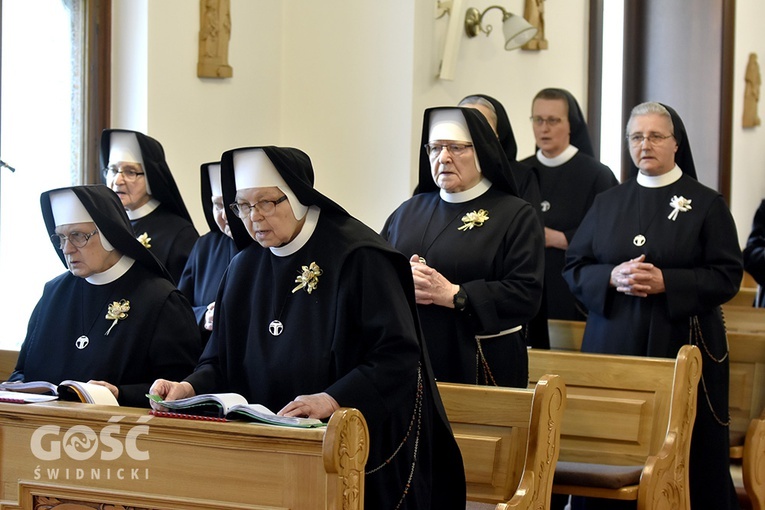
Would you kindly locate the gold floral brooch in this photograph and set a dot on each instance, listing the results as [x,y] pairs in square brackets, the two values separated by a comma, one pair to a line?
[474,219]
[679,204]
[308,278]
[117,312]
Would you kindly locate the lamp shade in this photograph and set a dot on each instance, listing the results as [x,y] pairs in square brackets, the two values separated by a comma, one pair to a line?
[517,31]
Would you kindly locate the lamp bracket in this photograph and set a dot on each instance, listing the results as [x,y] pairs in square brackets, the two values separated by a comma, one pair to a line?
[474,18]
[443,7]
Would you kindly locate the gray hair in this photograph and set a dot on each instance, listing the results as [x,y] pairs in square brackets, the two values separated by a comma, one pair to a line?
[649,108]
[478,100]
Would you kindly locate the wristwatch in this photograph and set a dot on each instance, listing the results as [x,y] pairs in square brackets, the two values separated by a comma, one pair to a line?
[460,299]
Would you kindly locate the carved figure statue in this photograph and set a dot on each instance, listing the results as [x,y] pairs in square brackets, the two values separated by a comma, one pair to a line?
[534,13]
[751,92]
[214,36]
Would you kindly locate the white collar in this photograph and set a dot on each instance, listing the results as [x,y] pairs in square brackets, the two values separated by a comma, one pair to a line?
[311,219]
[564,157]
[469,194]
[144,210]
[659,181]
[113,273]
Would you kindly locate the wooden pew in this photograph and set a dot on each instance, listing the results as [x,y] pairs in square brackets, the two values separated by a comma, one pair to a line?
[84,455]
[7,363]
[745,319]
[566,335]
[747,292]
[625,411]
[509,439]
[746,393]
[744,297]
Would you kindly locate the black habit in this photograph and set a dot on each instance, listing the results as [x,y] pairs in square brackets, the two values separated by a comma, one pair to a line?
[355,336]
[207,262]
[754,253]
[699,256]
[169,227]
[498,264]
[157,339]
[567,192]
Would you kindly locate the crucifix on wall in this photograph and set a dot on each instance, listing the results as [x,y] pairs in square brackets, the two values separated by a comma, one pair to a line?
[214,35]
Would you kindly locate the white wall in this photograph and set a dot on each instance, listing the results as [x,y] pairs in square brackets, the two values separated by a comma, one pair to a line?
[345,81]
[748,165]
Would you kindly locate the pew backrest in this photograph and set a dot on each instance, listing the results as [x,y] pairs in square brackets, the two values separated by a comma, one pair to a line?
[509,439]
[627,411]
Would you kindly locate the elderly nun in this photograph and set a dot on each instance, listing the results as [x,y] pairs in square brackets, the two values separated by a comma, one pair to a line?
[653,261]
[136,170]
[318,313]
[211,253]
[475,251]
[114,317]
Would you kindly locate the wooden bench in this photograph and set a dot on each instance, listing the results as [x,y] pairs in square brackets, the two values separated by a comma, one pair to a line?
[746,393]
[747,292]
[127,458]
[509,439]
[7,363]
[745,319]
[628,414]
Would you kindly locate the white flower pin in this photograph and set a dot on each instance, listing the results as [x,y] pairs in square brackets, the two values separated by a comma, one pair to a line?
[145,240]
[679,204]
[474,219]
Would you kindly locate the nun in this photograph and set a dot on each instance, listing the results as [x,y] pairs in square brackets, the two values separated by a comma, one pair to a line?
[211,253]
[527,181]
[136,170]
[318,313]
[475,250]
[114,317]
[653,260]
[569,179]
[525,178]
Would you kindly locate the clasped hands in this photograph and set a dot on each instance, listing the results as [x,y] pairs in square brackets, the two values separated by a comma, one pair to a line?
[638,278]
[430,286]
[317,405]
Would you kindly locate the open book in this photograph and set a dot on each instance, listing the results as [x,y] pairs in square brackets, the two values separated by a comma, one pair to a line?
[233,407]
[77,391]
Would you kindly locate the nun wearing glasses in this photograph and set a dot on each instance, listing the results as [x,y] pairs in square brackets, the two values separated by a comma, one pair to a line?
[653,261]
[475,250]
[114,317]
[316,312]
[136,170]
[569,179]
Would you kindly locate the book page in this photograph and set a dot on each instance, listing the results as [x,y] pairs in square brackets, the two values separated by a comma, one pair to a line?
[261,413]
[223,401]
[24,398]
[29,387]
[90,393]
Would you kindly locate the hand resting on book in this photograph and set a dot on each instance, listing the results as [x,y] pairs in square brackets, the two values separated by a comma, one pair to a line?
[317,405]
[170,390]
[115,391]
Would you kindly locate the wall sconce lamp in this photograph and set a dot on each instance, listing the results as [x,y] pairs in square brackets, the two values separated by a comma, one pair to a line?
[517,31]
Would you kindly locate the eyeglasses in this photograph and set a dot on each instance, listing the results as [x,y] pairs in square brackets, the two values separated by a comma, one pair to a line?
[264,207]
[78,239]
[550,121]
[455,149]
[652,138]
[129,173]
